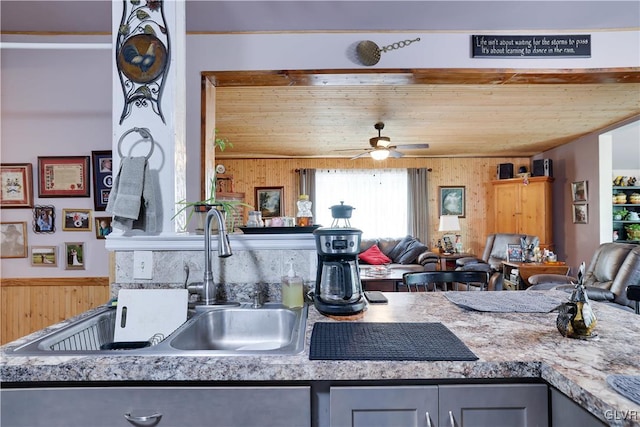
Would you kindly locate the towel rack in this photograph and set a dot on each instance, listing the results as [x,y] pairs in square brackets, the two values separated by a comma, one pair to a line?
[145,134]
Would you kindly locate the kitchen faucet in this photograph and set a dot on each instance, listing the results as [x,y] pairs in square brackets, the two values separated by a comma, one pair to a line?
[207,289]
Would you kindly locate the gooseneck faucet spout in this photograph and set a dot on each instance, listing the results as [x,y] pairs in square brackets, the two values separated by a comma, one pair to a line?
[208,289]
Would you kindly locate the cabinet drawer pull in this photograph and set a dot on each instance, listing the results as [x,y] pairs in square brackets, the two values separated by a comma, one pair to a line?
[428,419]
[150,420]
[451,419]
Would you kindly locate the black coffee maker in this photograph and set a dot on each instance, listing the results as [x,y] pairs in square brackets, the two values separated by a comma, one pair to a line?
[338,286]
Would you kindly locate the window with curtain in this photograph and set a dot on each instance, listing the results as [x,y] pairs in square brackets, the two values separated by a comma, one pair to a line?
[379,197]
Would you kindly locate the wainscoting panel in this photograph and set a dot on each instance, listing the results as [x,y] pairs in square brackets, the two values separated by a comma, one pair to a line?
[30,304]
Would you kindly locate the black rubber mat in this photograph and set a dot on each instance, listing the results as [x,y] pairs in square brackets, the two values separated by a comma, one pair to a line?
[386,341]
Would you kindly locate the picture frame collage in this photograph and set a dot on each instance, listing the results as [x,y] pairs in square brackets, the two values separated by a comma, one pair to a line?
[63,177]
[580,198]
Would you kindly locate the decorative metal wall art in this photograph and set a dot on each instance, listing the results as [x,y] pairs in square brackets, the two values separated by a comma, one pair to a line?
[142,55]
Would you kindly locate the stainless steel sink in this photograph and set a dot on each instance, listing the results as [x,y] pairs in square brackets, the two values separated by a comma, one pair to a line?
[218,330]
[271,328]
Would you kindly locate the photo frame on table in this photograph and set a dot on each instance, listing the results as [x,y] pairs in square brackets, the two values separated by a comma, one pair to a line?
[44,219]
[269,201]
[579,191]
[74,256]
[580,213]
[76,220]
[515,253]
[103,226]
[16,180]
[13,239]
[63,176]
[102,163]
[452,200]
[44,256]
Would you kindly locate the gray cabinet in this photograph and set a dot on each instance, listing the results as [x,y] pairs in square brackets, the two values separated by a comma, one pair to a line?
[390,406]
[156,406]
[567,413]
[504,405]
[482,405]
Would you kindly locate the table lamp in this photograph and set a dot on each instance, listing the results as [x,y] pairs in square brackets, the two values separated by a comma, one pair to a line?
[449,224]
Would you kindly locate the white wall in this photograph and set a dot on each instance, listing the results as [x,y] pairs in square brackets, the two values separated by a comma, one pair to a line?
[55,103]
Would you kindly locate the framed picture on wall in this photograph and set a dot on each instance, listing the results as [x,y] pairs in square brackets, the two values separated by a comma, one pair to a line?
[17,185]
[269,201]
[44,256]
[76,220]
[44,219]
[63,176]
[75,259]
[580,214]
[579,191]
[103,226]
[13,238]
[452,201]
[102,178]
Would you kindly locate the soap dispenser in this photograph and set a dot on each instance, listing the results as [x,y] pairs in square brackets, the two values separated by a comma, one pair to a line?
[292,289]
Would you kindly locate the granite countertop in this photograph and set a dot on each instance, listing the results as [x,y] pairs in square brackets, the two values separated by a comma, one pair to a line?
[508,345]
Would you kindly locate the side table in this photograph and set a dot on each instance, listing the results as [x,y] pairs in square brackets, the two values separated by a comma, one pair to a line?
[526,270]
[448,261]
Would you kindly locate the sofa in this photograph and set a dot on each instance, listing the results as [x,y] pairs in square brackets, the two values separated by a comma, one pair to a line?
[613,267]
[494,254]
[407,253]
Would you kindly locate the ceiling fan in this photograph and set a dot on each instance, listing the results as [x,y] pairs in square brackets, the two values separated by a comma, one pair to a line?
[381,147]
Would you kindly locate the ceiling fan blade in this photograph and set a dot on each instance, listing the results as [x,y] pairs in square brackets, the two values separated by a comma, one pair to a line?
[395,154]
[366,153]
[353,149]
[412,146]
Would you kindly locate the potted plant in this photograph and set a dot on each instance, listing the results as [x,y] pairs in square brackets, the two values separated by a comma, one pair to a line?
[633,231]
[620,215]
[201,207]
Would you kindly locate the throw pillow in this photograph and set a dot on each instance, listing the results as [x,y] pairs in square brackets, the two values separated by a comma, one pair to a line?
[374,256]
[412,252]
[400,248]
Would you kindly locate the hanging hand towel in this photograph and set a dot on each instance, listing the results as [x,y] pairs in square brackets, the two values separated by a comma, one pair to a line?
[125,198]
[147,218]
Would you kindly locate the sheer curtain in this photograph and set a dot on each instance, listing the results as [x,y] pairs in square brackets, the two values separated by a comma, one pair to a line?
[379,197]
[417,204]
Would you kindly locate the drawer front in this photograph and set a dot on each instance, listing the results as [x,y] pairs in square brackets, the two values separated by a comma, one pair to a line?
[197,406]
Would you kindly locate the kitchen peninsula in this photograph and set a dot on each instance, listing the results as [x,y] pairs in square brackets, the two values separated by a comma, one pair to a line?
[512,348]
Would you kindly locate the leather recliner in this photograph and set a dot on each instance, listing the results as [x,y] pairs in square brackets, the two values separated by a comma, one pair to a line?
[613,267]
[494,254]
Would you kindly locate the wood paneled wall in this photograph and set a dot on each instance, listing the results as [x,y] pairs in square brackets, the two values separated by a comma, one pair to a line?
[473,173]
[30,304]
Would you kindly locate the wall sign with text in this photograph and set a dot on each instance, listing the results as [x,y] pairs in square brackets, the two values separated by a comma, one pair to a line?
[541,46]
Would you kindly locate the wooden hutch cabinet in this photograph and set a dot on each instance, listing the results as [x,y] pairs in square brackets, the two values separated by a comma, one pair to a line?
[525,208]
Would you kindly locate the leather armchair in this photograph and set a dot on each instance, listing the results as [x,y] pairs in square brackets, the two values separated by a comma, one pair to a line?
[495,253]
[613,268]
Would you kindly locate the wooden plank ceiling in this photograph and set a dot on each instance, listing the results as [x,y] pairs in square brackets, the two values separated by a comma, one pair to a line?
[459,113]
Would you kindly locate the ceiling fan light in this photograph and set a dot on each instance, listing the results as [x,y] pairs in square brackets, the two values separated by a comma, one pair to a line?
[380,154]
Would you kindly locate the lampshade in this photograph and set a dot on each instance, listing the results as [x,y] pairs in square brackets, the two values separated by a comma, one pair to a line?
[379,154]
[449,223]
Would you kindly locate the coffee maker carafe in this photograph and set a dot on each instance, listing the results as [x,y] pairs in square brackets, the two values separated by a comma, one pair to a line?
[338,287]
